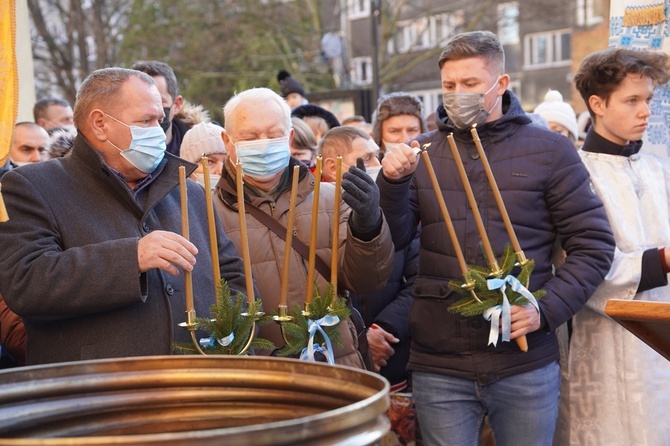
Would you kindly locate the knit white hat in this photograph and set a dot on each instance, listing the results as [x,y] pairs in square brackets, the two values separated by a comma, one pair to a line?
[203,138]
[553,109]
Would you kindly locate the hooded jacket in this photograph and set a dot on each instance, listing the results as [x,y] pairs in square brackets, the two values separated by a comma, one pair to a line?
[389,309]
[363,266]
[545,188]
[69,266]
[188,116]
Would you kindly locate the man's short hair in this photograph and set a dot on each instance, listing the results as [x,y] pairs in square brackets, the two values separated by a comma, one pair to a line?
[600,73]
[475,44]
[337,141]
[157,68]
[258,95]
[40,110]
[354,119]
[99,87]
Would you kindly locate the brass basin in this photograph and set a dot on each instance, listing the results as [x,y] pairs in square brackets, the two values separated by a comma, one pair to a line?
[208,400]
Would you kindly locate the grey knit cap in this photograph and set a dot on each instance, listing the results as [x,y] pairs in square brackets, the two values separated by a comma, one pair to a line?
[393,104]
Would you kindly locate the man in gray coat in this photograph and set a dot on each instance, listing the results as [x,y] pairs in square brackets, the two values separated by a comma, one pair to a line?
[91,257]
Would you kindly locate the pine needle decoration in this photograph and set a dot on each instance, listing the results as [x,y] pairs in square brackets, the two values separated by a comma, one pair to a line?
[228,317]
[297,331]
[469,307]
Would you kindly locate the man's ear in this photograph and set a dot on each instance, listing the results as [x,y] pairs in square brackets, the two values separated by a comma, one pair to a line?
[98,124]
[597,104]
[291,135]
[178,102]
[231,150]
[328,169]
[503,83]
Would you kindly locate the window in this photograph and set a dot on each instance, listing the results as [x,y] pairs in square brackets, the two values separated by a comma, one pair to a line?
[361,70]
[431,99]
[548,49]
[589,12]
[358,9]
[424,32]
[508,23]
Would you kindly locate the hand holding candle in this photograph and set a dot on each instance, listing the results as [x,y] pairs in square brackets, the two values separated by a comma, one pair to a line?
[402,161]
[521,341]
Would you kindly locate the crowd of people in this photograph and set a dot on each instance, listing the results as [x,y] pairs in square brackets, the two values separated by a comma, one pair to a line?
[92,258]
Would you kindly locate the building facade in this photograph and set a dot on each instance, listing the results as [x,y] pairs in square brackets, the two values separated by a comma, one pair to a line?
[544,42]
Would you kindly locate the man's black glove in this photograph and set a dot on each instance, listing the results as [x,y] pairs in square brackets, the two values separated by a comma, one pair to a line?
[362,195]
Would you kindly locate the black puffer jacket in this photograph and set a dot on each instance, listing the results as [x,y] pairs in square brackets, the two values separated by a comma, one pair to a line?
[389,308]
[546,191]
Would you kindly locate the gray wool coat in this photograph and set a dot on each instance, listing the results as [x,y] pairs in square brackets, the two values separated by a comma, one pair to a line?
[68,258]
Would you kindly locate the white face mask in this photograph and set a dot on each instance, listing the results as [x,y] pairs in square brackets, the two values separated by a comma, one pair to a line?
[213,179]
[373,171]
[391,146]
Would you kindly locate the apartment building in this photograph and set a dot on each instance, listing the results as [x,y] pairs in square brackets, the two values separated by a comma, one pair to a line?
[544,42]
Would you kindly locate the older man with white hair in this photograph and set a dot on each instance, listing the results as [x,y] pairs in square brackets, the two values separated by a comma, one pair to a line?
[258,133]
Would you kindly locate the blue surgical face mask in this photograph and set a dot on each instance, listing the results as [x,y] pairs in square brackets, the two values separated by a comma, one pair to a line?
[263,158]
[467,109]
[147,148]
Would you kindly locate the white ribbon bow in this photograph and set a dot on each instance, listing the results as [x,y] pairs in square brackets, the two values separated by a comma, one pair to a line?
[307,353]
[493,314]
[209,342]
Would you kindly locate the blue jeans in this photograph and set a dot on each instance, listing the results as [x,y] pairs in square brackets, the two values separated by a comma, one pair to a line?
[522,409]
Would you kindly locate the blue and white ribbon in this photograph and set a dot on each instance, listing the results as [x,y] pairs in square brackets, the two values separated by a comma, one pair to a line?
[211,341]
[307,353]
[494,314]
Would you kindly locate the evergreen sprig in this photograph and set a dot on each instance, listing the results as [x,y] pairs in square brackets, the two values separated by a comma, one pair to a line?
[228,317]
[468,306]
[297,331]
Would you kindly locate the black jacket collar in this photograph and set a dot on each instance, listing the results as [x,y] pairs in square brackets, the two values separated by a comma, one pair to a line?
[597,144]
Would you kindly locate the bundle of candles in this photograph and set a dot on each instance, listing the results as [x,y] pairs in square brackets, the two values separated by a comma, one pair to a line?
[318,321]
[488,291]
[231,329]
[301,328]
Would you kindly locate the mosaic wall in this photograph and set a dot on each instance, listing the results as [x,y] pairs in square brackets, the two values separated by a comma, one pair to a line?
[654,38]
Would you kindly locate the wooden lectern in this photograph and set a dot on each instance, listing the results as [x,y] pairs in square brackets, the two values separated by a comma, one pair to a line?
[649,321]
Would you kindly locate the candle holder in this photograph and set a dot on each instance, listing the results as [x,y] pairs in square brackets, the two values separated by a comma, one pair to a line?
[231,329]
[494,296]
[487,293]
[317,325]
[282,318]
